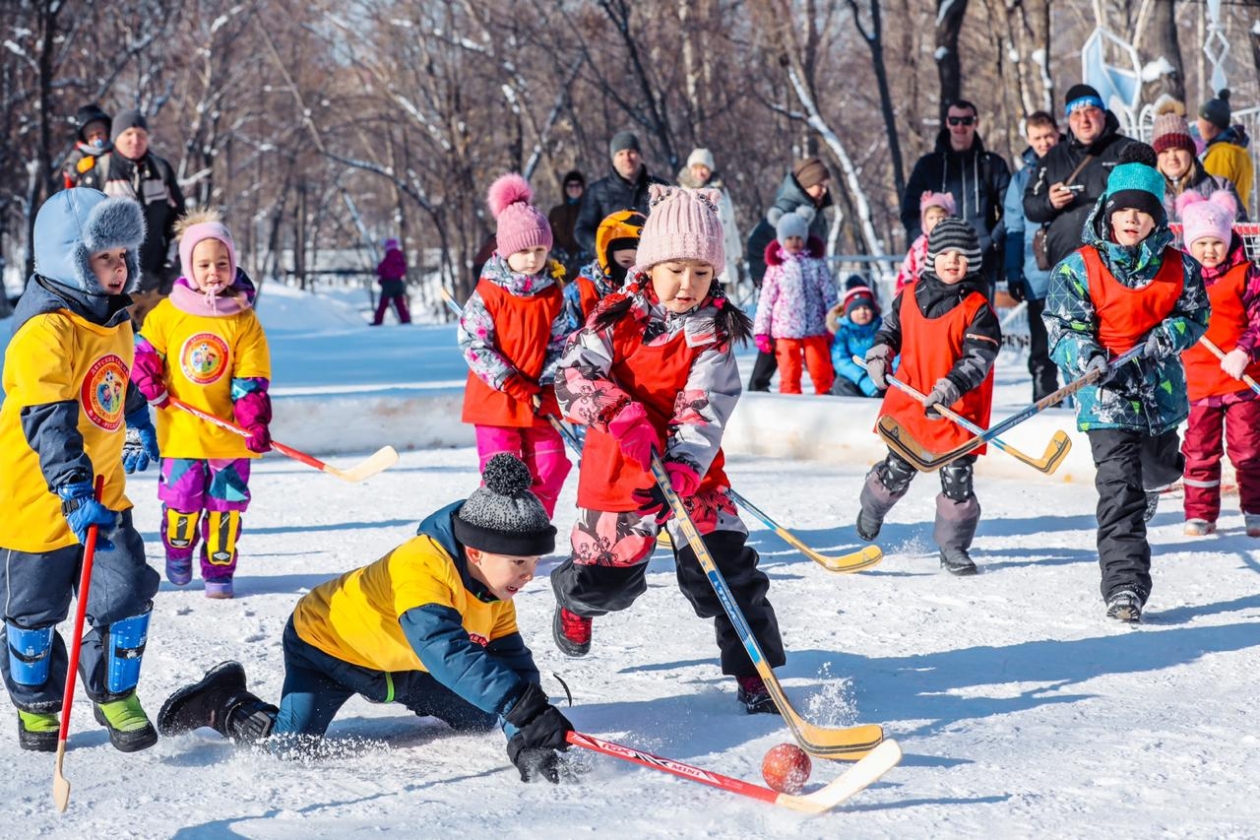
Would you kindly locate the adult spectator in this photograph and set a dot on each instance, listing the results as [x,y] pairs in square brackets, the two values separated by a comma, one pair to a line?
[1226,152]
[960,166]
[563,218]
[91,142]
[1024,280]
[701,173]
[807,185]
[625,188]
[1182,171]
[1068,181]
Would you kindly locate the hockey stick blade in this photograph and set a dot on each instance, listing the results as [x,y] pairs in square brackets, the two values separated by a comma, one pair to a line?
[858,777]
[379,461]
[900,441]
[854,561]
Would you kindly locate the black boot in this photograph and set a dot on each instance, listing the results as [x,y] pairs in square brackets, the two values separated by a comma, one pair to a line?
[957,561]
[957,515]
[38,731]
[221,702]
[885,484]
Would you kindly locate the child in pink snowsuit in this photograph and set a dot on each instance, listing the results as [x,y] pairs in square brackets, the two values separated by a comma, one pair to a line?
[933,207]
[392,275]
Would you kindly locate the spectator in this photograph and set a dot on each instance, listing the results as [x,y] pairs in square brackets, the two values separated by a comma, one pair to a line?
[854,322]
[701,172]
[932,208]
[1182,171]
[92,142]
[1024,280]
[1226,153]
[976,179]
[391,273]
[625,188]
[563,218]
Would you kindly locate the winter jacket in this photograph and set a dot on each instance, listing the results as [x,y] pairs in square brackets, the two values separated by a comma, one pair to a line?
[80,168]
[789,196]
[151,181]
[853,340]
[608,195]
[977,179]
[391,273]
[796,293]
[1064,235]
[563,220]
[1233,288]
[1147,395]
[1199,181]
[1021,263]
[419,609]
[914,263]
[584,294]
[732,244]
[1226,156]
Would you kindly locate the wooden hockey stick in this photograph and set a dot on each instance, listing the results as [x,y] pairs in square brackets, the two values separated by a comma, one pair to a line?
[1220,354]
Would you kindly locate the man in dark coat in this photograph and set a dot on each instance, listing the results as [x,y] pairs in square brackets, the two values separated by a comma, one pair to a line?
[563,219]
[625,188]
[1095,131]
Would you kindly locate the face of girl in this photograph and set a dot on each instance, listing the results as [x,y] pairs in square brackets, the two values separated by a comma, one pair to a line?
[932,217]
[528,261]
[793,244]
[110,268]
[950,266]
[503,574]
[681,285]
[1130,226]
[1209,250]
[1174,163]
[211,266]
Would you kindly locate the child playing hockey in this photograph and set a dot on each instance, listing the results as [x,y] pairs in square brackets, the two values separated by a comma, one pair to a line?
[796,293]
[854,323]
[205,346]
[1127,286]
[512,333]
[67,396]
[654,371]
[391,273]
[948,338]
[431,626]
[1218,395]
[932,208]
[616,241]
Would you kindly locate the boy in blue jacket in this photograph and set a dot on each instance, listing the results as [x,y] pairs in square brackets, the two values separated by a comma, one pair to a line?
[854,323]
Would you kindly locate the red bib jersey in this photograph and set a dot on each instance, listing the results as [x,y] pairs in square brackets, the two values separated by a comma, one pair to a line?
[1204,377]
[1125,315]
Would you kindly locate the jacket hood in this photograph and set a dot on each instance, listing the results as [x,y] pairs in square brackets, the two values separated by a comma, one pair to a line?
[1235,134]
[79,222]
[439,527]
[1237,256]
[792,192]
[775,255]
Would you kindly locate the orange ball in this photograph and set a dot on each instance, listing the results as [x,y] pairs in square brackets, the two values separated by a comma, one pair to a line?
[786,768]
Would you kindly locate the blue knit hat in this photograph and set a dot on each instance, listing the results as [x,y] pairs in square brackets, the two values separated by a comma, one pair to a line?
[1136,183]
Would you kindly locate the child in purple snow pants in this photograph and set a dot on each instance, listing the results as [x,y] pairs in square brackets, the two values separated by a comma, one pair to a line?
[218,486]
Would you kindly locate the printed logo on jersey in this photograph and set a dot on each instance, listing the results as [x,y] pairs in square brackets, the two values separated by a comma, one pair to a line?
[481,640]
[204,358]
[104,391]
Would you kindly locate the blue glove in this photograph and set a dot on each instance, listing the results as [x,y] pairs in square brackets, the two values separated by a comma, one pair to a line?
[81,510]
[141,444]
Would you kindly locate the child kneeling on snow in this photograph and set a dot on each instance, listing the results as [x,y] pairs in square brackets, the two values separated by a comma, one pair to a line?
[654,371]
[431,625]
[948,338]
[1127,286]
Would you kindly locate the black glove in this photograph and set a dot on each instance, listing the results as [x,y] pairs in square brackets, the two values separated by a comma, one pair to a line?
[541,731]
[1016,289]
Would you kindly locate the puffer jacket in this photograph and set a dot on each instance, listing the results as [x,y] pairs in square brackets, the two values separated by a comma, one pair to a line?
[797,292]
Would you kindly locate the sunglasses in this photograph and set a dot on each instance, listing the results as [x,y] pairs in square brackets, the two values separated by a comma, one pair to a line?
[961,120]
[573,185]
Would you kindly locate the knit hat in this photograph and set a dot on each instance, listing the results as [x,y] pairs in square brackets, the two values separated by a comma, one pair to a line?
[91,113]
[126,120]
[858,297]
[702,157]
[197,227]
[1207,217]
[953,234]
[391,244]
[1171,132]
[810,172]
[503,516]
[520,225]
[623,140]
[795,223]
[1136,183]
[943,200]
[1216,111]
[682,224]
[1082,96]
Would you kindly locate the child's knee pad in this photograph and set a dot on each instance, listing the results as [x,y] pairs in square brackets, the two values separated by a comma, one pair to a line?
[895,473]
[221,531]
[181,528]
[124,648]
[957,480]
[30,653]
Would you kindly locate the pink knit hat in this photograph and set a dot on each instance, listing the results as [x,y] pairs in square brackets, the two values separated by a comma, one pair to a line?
[682,224]
[943,200]
[199,232]
[521,226]
[1207,217]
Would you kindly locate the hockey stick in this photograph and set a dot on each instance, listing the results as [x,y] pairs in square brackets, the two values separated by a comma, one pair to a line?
[1220,354]
[379,461]
[846,744]
[61,785]
[858,777]
[856,561]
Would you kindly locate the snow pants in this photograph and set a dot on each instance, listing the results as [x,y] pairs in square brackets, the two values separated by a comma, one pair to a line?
[762,372]
[1205,445]
[957,508]
[37,589]
[400,306]
[542,450]
[1128,465]
[218,486]
[816,352]
[607,572]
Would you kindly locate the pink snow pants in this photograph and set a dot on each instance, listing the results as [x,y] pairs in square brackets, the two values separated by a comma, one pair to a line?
[542,450]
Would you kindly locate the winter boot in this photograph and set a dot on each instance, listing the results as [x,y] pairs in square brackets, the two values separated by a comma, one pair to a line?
[221,702]
[219,589]
[1252,521]
[179,569]
[1125,605]
[957,515]
[1199,528]
[754,696]
[957,562]
[885,484]
[128,726]
[179,537]
[1152,504]
[572,632]
[38,731]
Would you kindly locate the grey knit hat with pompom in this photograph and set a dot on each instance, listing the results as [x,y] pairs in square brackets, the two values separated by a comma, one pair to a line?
[503,516]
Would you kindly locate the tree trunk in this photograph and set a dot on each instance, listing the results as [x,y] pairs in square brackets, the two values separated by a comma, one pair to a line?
[1161,45]
[874,38]
[949,21]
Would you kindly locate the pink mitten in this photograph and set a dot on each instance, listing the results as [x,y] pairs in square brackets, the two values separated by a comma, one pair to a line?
[634,434]
[148,372]
[253,412]
[764,343]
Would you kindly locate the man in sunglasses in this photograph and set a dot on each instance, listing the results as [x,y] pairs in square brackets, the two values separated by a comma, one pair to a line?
[977,179]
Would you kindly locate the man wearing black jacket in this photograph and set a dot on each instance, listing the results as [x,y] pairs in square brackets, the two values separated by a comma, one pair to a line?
[625,188]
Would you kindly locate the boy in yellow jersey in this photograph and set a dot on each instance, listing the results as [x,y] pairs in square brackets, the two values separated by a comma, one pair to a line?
[431,625]
[67,397]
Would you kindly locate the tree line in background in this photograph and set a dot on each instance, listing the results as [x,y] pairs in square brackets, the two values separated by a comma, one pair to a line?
[318,124]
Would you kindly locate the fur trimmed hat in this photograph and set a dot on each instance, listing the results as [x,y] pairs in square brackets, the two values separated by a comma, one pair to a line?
[503,516]
[520,225]
[1205,218]
[682,224]
[75,224]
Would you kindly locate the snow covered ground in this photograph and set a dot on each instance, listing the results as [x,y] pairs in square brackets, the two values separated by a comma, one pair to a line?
[1022,711]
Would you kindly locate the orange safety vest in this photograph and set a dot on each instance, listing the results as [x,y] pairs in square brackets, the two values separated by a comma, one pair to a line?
[1204,377]
[1125,315]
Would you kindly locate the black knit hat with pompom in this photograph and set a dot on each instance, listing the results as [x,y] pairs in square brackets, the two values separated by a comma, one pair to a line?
[503,516]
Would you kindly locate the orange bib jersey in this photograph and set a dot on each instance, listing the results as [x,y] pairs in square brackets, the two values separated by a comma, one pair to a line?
[59,357]
[203,355]
[1204,377]
[1125,316]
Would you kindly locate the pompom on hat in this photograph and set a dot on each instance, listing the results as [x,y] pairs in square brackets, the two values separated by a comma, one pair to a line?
[1171,132]
[1136,183]
[1217,111]
[520,225]
[503,516]
[682,224]
[1207,218]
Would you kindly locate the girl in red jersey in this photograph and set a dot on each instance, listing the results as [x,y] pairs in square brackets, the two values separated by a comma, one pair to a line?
[654,371]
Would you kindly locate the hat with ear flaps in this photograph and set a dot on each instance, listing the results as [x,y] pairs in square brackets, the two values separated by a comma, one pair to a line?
[75,224]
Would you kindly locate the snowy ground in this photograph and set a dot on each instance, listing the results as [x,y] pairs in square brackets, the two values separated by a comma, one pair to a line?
[1022,711]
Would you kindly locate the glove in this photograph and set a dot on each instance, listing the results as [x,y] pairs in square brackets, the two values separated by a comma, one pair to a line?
[141,444]
[877,360]
[634,434]
[652,502]
[253,412]
[1157,345]
[1235,362]
[944,393]
[764,343]
[521,389]
[541,731]
[149,373]
[81,510]
[1098,369]
[1016,289]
